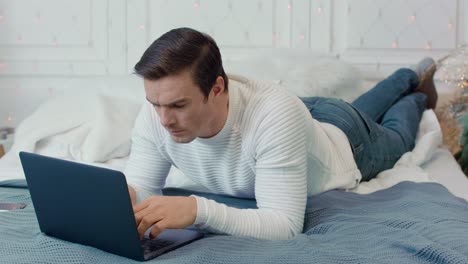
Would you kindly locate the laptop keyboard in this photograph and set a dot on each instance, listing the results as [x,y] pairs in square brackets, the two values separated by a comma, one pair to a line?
[150,245]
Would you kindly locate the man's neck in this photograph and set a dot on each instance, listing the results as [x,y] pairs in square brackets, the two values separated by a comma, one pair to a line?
[217,123]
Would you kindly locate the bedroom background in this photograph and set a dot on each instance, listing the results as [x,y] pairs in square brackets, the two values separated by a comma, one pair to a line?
[50,47]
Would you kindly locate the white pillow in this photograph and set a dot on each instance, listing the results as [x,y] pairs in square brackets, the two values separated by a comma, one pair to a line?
[303,73]
[88,128]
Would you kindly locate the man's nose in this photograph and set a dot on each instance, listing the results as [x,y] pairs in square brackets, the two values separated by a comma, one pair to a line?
[166,117]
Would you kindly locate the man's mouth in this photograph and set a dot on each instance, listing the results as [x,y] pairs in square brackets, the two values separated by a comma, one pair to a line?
[174,132]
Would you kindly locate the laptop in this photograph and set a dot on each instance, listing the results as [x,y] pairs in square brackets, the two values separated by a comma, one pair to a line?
[91,206]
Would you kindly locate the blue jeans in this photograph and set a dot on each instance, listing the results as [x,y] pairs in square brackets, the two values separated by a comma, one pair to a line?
[381,124]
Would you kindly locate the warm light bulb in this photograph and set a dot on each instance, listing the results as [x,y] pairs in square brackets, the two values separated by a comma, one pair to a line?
[412,19]
[275,37]
[319,10]
[289,6]
[141,27]
[9,118]
[450,26]
[196,4]
[428,45]
[395,44]
[51,91]
[301,37]
[18,91]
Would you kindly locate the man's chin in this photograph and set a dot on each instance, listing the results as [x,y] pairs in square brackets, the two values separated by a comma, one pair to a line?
[182,140]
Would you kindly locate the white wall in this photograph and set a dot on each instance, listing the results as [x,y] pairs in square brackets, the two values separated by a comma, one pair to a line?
[51,46]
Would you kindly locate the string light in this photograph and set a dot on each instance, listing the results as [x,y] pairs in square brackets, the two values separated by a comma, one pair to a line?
[51,91]
[141,27]
[19,39]
[395,44]
[54,42]
[301,37]
[275,37]
[319,10]
[412,19]
[289,6]
[428,45]
[18,91]
[196,4]
[9,119]
[450,26]
[3,67]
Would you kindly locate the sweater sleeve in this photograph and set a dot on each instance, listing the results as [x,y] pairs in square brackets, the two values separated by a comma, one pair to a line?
[146,170]
[280,183]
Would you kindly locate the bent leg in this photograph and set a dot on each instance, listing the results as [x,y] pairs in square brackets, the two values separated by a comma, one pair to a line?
[376,102]
[404,117]
[392,138]
[376,147]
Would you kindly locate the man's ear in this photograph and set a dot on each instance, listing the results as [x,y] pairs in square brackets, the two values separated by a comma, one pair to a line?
[218,86]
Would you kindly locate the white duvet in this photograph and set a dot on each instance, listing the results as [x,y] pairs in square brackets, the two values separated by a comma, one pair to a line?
[96,129]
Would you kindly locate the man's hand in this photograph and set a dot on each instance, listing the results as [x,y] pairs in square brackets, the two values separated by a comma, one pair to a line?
[164,212]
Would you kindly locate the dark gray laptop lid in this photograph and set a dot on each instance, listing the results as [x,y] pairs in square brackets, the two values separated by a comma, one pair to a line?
[57,187]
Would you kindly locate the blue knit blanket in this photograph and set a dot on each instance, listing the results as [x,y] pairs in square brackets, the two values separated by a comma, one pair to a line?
[408,223]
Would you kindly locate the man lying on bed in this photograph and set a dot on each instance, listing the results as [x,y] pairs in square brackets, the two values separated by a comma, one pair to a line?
[249,139]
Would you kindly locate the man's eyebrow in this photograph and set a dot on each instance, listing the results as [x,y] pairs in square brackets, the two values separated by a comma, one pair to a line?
[182,100]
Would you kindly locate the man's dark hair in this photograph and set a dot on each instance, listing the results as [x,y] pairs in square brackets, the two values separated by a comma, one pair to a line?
[183,49]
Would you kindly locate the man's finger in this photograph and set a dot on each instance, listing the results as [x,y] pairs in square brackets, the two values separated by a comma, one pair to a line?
[141,206]
[146,222]
[157,229]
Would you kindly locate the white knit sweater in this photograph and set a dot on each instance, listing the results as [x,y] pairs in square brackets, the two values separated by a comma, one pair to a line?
[270,149]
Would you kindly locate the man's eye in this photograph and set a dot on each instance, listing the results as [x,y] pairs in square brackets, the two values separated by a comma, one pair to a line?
[179,106]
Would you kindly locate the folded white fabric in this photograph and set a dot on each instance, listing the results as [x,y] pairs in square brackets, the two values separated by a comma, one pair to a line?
[92,127]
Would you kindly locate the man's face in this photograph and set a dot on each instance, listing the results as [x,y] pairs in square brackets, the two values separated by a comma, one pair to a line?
[180,104]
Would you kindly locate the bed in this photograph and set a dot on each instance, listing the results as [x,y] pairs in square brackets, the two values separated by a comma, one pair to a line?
[416,212]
